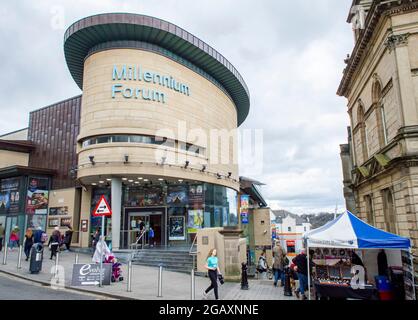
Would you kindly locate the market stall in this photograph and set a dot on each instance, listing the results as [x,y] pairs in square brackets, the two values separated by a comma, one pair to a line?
[349,258]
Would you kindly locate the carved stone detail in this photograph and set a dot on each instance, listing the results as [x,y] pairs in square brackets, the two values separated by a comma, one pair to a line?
[397,40]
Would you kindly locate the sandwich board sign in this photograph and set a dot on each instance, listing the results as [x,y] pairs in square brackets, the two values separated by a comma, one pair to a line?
[102,208]
[89,274]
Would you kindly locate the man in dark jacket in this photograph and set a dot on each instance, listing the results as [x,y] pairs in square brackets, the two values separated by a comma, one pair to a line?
[301,267]
[68,237]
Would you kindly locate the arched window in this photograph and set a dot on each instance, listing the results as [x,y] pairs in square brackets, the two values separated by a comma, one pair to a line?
[362,127]
[389,210]
[377,96]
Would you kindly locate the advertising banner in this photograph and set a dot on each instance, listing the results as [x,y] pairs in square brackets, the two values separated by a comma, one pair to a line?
[89,274]
[53,222]
[37,196]
[177,195]
[244,205]
[9,196]
[176,228]
[65,222]
[195,221]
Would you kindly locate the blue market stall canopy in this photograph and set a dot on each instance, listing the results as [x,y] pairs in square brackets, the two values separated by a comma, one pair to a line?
[348,231]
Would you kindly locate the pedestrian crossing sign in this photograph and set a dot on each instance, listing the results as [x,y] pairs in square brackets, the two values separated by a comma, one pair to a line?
[102,208]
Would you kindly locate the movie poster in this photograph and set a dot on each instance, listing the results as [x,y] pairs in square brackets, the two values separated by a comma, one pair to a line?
[177,195]
[176,228]
[59,211]
[195,221]
[37,220]
[9,196]
[37,196]
[196,195]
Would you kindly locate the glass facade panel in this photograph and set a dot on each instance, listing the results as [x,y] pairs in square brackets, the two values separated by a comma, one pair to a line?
[185,208]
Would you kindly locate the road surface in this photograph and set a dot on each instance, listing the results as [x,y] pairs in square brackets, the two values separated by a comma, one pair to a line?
[12,288]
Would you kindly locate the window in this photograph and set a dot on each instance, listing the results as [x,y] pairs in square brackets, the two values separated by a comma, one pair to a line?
[289,229]
[130,139]
[304,229]
[120,139]
[363,132]
[103,139]
[389,210]
[384,128]
[369,209]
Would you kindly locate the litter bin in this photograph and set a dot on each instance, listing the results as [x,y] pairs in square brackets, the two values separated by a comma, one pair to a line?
[36,257]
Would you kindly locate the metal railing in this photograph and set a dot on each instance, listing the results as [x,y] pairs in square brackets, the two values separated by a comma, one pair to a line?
[193,253]
[139,239]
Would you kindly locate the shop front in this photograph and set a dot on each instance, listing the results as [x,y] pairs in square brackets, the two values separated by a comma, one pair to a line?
[174,213]
[23,203]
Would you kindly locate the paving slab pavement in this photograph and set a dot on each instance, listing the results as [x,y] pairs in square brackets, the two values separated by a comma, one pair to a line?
[176,286]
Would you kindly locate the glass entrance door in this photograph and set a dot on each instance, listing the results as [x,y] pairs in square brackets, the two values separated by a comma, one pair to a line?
[142,223]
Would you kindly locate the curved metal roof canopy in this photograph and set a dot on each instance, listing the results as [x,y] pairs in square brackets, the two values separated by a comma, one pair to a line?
[88,32]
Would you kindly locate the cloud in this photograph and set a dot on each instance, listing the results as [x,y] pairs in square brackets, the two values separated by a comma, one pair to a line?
[290,53]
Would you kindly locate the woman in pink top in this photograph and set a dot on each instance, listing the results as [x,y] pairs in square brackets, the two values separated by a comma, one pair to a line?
[14,239]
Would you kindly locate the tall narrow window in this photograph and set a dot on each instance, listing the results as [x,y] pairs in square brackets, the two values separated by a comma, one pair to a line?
[389,210]
[361,125]
[377,100]
[369,209]
[384,128]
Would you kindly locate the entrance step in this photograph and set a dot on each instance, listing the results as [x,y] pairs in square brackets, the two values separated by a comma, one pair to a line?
[179,261]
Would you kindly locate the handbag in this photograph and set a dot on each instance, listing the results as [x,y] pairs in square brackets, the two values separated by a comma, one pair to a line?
[221,279]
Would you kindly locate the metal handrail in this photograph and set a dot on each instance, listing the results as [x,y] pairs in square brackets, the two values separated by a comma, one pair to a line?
[191,248]
[136,243]
[193,253]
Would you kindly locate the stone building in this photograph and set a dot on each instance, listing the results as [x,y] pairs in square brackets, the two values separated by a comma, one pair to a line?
[381,85]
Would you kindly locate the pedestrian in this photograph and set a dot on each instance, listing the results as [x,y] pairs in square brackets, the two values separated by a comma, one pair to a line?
[1,236]
[28,242]
[14,238]
[279,263]
[37,235]
[95,240]
[262,266]
[212,266]
[151,235]
[68,237]
[54,243]
[301,268]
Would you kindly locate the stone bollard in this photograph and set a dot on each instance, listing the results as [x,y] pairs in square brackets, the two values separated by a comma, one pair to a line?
[287,287]
[244,277]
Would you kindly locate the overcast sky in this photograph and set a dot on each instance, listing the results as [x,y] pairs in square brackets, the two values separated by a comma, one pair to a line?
[290,54]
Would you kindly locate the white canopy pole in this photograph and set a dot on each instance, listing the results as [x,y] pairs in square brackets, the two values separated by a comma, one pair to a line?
[309,271]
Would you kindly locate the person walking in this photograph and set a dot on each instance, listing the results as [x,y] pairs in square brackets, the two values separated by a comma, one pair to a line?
[301,268]
[54,242]
[279,264]
[68,237]
[28,242]
[95,240]
[212,266]
[262,266]
[151,235]
[14,238]
[1,236]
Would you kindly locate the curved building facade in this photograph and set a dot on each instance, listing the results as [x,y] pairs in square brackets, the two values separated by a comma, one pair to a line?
[157,132]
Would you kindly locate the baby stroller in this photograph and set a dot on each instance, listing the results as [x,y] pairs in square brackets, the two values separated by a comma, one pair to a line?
[116,270]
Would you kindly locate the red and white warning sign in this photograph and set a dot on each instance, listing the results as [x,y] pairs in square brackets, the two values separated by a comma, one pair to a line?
[102,208]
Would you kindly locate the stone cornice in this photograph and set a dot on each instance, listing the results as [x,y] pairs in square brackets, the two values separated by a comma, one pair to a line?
[376,12]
